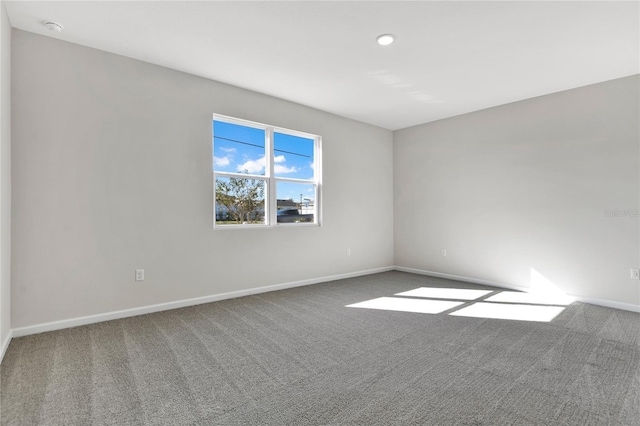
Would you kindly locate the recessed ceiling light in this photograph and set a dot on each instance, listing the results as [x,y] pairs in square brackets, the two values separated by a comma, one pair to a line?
[53,26]
[385,39]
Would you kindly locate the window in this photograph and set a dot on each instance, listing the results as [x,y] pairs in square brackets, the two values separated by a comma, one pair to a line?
[264,175]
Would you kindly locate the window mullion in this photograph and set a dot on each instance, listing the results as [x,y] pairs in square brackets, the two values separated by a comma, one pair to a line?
[239,175]
[272,201]
[294,180]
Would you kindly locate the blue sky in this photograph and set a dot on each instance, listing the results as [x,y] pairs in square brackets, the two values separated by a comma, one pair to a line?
[241,149]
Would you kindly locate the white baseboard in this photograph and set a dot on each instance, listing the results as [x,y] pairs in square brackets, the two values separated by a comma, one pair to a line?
[592,301]
[5,344]
[608,303]
[108,316]
[461,278]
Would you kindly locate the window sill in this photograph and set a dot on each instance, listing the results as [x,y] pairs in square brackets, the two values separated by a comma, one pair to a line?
[255,226]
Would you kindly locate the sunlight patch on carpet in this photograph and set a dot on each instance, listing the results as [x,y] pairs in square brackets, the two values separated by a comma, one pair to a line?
[445,293]
[407,305]
[510,312]
[532,298]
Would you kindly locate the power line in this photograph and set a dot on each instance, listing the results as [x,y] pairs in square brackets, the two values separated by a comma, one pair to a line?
[293,153]
[259,146]
[243,143]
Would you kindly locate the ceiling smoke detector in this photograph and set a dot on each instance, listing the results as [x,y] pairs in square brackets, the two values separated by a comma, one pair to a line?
[53,26]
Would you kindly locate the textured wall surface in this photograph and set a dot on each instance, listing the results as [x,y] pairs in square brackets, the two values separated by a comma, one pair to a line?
[5,176]
[543,191]
[112,172]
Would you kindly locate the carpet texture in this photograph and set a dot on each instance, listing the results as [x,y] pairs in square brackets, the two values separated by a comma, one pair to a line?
[300,357]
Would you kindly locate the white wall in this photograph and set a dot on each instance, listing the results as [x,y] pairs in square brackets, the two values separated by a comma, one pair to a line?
[524,187]
[5,177]
[112,172]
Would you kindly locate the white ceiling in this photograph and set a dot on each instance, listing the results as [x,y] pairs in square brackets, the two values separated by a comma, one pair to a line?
[449,58]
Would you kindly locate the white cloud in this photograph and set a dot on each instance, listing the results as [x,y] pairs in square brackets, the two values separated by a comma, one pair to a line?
[257,166]
[221,161]
[253,166]
[280,169]
[228,150]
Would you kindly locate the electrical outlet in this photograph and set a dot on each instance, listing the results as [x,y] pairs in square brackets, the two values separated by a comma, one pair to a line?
[444,252]
[139,274]
[635,274]
[348,252]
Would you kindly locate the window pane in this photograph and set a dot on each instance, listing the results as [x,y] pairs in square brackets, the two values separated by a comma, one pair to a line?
[239,201]
[238,148]
[296,202]
[293,156]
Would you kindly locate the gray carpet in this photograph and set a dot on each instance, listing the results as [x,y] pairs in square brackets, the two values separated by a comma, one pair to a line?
[300,357]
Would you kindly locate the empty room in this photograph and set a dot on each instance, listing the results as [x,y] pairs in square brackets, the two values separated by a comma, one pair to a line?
[319,213]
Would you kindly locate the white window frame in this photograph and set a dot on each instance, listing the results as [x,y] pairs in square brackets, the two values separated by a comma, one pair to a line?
[270,199]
